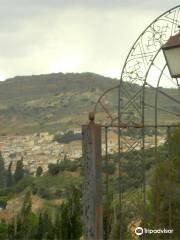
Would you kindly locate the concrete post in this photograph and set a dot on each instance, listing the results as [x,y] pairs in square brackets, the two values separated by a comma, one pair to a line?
[92,183]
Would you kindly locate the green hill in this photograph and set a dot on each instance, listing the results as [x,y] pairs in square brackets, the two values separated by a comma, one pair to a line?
[59,101]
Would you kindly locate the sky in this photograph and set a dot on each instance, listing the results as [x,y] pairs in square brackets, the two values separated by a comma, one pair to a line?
[45,36]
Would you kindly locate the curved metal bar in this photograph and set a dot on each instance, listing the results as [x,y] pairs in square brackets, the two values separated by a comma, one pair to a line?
[136,68]
[155,149]
[106,110]
[163,93]
[99,99]
[162,109]
[156,98]
[143,55]
[170,79]
[151,27]
[133,47]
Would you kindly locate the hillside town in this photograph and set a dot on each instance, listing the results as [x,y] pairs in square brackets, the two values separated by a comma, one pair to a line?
[36,150]
[41,149]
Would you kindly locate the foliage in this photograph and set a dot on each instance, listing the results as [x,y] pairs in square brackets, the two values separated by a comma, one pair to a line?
[107,216]
[23,184]
[64,165]
[53,169]
[3,230]
[9,176]
[24,225]
[64,221]
[53,187]
[69,165]
[2,172]
[164,206]
[119,226]
[71,225]
[67,137]
[109,168]
[3,201]
[39,171]
[19,172]
[40,228]
[54,101]
[65,224]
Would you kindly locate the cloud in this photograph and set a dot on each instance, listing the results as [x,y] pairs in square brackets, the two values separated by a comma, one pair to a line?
[40,36]
[89,3]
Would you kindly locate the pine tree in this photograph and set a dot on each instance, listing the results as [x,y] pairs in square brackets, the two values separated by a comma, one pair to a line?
[40,228]
[19,172]
[9,176]
[3,230]
[39,171]
[57,227]
[27,204]
[107,216]
[76,214]
[71,225]
[26,220]
[2,172]
[48,228]
[65,221]
[166,182]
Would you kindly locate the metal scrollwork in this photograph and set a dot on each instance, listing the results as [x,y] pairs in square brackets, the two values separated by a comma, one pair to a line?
[144,53]
[139,62]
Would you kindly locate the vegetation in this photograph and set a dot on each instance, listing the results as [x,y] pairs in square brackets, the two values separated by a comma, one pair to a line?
[58,194]
[53,102]
[67,137]
[65,224]
[64,165]
[19,172]
[39,171]
[164,205]
[2,172]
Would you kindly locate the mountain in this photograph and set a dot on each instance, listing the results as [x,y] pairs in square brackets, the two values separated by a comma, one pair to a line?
[55,102]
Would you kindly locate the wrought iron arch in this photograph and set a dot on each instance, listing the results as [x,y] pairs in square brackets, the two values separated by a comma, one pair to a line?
[144,58]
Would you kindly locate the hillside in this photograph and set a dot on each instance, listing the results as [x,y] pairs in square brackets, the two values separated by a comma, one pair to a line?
[48,102]
[54,102]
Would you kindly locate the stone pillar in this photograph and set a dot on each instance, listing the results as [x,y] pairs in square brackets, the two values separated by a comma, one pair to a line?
[92,182]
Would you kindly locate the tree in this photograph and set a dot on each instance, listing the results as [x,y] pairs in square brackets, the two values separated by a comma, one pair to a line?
[57,227]
[48,227]
[3,230]
[68,165]
[40,228]
[164,204]
[119,225]
[45,229]
[39,171]
[67,137]
[25,223]
[107,216]
[9,176]
[25,214]
[2,172]
[71,225]
[53,169]
[19,172]
[27,204]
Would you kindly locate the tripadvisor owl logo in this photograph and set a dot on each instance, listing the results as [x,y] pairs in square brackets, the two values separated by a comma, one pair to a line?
[139,231]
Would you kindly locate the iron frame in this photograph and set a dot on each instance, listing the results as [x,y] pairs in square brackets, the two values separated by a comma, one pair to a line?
[138,64]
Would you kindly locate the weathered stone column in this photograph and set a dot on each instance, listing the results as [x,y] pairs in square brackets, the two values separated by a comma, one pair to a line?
[92,183]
